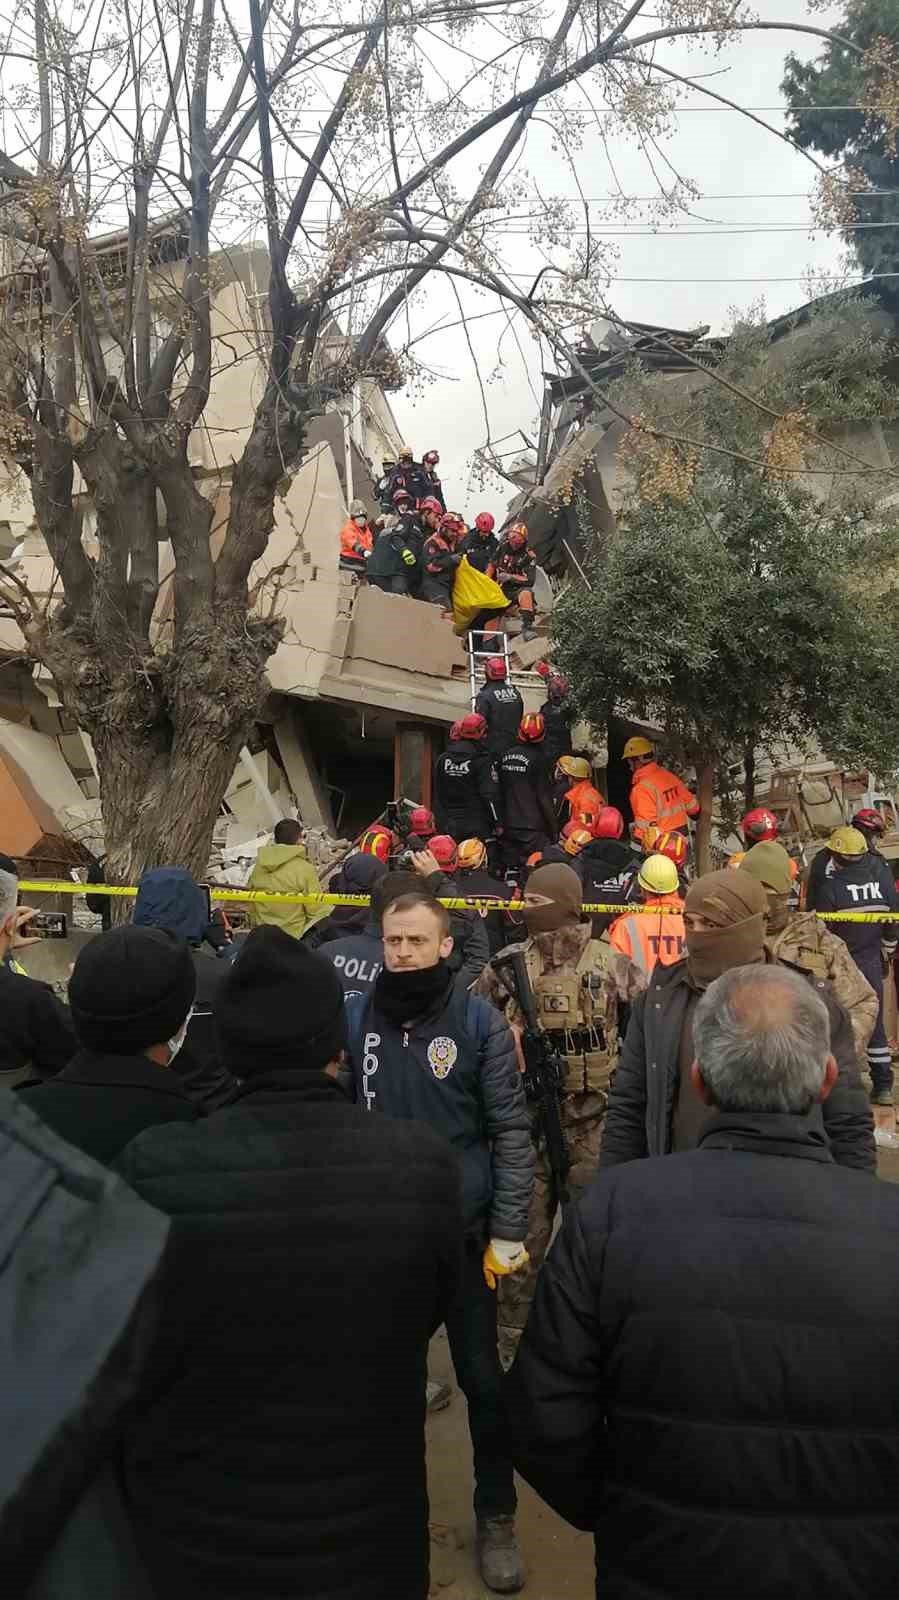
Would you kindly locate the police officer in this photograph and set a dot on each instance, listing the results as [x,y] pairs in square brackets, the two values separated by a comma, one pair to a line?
[466,793]
[568,971]
[501,706]
[558,716]
[420,1048]
[856,884]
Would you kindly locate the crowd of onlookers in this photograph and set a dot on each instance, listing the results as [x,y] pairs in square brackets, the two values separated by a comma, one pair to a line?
[415,546]
[246,1177]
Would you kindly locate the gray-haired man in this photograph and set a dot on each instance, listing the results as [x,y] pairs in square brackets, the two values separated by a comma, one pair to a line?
[36,1035]
[706,1380]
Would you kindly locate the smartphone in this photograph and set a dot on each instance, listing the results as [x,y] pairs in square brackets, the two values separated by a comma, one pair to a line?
[47,925]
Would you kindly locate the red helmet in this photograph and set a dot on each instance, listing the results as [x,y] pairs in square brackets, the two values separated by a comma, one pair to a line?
[517,536]
[474,726]
[759,825]
[443,849]
[558,685]
[430,458]
[400,495]
[609,823]
[376,842]
[544,669]
[869,820]
[421,821]
[531,728]
[484,522]
[672,845]
[496,668]
[450,524]
[431,503]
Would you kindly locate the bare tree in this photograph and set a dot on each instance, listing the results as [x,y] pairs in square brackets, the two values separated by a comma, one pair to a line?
[108,122]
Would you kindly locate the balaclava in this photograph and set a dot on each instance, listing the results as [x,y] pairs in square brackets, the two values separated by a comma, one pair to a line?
[562,887]
[770,865]
[735,903]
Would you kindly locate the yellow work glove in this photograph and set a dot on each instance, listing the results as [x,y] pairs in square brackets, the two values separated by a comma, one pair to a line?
[409,558]
[502,1257]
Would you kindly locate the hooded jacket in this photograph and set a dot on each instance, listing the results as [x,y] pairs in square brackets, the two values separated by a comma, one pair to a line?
[608,869]
[641,1104]
[358,875]
[285,869]
[697,1384]
[502,708]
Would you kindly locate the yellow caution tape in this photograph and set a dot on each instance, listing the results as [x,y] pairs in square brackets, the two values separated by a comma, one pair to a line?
[470,903]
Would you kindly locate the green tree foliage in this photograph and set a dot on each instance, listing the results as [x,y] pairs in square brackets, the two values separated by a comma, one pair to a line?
[735,605]
[863,140]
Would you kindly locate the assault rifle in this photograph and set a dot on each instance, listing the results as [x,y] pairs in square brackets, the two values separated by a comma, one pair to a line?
[544,1074]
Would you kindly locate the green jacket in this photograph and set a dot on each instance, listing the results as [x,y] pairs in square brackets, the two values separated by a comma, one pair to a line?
[285,869]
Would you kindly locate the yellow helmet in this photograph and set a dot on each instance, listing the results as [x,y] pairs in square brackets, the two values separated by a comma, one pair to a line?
[472,853]
[847,841]
[658,875]
[574,767]
[638,746]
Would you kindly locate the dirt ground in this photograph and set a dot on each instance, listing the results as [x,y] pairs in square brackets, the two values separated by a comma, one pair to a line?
[559,1559]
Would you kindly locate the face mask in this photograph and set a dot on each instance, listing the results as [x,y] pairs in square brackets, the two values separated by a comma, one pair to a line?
[360,521]
[174,1045]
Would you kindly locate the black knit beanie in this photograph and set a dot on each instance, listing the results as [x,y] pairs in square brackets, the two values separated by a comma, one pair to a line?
[130,988]
[280,1005]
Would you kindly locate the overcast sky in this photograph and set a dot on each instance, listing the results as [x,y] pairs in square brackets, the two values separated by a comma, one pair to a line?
[689,273]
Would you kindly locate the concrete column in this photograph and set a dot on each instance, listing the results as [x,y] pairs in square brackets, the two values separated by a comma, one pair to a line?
[313,800]
[412,762]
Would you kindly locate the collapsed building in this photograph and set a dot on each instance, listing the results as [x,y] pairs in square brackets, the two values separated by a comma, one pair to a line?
[364,684]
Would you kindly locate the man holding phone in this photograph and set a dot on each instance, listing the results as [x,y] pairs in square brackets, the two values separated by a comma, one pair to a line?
[36,1035]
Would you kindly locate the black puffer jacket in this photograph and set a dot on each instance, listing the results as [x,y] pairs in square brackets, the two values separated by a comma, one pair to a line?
[638,1121]
[466,792]
[280,1447]
[502,708]
[706,1379]
[455,1069]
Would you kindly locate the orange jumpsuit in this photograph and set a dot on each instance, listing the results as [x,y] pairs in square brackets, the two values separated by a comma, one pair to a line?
[658,796]
[351,537]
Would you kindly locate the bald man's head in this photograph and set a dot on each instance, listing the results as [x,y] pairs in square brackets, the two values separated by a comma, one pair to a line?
[762,1042]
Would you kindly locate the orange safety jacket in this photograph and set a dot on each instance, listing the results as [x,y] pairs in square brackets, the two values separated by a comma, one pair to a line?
[659,796]
[647,940]
[351,537]
[585,803]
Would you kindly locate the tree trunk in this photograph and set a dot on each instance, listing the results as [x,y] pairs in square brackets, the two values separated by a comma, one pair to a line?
[749,775]
[706,799]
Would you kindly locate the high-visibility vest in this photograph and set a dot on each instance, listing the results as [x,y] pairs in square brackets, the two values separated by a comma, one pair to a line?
[651,941]
[659,796]
[584,802]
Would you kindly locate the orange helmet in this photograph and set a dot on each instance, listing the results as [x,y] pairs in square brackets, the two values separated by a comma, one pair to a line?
[574,837]
[531,728]
[672,845]
[376,842]
[472,854]
[517,536]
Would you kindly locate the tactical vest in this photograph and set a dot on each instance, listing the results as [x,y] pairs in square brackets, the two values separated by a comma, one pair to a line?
[574,1006]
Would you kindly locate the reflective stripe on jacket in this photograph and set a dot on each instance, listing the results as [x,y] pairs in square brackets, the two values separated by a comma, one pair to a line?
[659,796]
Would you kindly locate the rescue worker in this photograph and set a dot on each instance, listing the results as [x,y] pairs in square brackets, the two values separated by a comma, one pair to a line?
[466,792]
[392,565]
[422,828]
[409,476]
[419,1048]
[869,822]
[608,867]
[759,826]
[356,538]
[379,842]
[514,568]
[640,941]
[856,884]
[439,560]
[501,706]
[558,716]
[526,797]
[572,786]
[481,545]
[806,942]
[382,489]
[432,484]
[567,968]
[474,878]
[437,866]
[657,795]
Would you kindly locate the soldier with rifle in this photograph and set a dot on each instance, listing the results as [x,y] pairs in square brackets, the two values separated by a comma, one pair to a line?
[552,989]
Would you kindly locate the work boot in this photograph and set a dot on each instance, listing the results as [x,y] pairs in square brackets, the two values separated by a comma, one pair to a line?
[439,1395]
[499,1558]
[881,1097]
